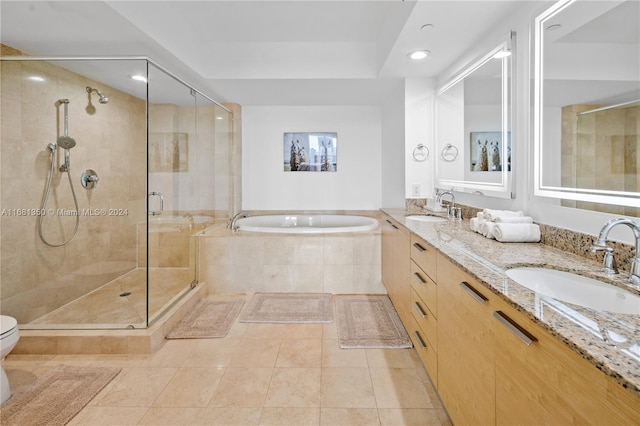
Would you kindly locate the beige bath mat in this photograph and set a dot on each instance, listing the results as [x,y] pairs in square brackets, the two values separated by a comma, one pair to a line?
[207,320]
[289,308]
[57,397]
[369,322]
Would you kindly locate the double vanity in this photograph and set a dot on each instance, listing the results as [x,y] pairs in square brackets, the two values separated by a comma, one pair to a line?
[513,333]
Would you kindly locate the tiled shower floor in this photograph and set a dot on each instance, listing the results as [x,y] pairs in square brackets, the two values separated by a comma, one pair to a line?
[111,305]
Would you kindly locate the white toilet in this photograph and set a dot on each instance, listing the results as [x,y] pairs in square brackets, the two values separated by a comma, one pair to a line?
[9,336]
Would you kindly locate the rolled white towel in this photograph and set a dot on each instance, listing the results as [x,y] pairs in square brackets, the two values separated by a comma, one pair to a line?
[475,223]
[517,232]
[490,214]
[487,228]
[480,215]
[513,219]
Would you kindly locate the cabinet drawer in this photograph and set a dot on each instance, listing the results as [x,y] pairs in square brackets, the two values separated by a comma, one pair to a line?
[427,353]
[425,319]
[424,255]
[425,287]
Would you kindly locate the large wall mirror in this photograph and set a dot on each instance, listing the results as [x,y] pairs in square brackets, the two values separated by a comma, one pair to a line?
[473,141]
[587,105]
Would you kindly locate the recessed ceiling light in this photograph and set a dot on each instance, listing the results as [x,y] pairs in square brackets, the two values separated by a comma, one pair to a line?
[427,27]
[418,55]
[554,27]
[139,77]
[502,54]
[35,78]
[219,118]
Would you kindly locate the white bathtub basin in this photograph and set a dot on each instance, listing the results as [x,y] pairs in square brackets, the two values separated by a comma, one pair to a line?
[576,289]
[307,224]
[425,218]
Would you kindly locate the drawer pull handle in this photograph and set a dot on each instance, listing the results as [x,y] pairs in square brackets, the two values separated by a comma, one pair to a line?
[477,296]
[513,327]
[419,310]
[419,339]
[393,226]
[419,279]
[419,247]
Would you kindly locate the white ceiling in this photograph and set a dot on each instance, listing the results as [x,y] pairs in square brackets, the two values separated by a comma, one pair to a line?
[263,52]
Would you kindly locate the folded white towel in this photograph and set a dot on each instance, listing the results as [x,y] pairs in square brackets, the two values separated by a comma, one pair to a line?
[513,219]
[487,228]
[490,214]
[480,215]
[516,232]
[474,224]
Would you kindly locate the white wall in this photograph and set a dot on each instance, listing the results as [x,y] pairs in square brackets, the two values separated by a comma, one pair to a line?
[393,146]
[418,104]
[356,185]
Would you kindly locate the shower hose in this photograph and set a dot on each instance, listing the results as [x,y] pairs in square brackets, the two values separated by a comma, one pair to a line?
[46,198]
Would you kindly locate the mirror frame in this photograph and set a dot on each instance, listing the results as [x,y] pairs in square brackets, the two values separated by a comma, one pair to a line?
[621,198]
[505,188]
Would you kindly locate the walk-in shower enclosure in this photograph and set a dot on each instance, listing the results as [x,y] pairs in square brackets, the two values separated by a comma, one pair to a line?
[149,170]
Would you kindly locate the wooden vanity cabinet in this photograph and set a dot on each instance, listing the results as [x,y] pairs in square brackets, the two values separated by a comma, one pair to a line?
[541,381]
[466,367]
[395,266]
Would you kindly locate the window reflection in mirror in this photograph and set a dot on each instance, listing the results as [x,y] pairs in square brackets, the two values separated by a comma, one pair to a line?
[587,110]
[473,117]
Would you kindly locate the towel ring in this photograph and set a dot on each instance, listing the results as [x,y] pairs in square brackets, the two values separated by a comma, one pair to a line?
[419,153]
[449,153]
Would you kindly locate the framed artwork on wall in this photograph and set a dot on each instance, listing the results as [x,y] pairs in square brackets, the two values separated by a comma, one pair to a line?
[310,151]
[486,152]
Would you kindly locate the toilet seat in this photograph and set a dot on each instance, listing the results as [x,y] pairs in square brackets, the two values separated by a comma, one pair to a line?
[8,326]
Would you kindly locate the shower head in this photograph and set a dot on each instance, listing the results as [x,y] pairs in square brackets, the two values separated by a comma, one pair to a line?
[66,142]
[103,99]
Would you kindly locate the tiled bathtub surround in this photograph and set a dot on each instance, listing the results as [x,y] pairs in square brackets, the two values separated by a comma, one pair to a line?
[563,239]
[239,262]
[487,261]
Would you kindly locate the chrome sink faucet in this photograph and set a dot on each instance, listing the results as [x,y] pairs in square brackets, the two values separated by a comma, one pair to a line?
[451,205]
[231,224]
[608,263]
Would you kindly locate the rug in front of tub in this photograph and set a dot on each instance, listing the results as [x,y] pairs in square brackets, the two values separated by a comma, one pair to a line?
[369,322]
[57,397]
[209,319]
[301,308]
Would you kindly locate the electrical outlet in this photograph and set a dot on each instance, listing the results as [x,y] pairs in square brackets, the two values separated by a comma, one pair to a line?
[415,190]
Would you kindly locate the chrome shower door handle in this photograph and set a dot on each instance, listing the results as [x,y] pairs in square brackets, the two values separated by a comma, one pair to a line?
[155,212]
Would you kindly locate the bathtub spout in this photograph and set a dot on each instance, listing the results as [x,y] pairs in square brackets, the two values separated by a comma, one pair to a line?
[231,224]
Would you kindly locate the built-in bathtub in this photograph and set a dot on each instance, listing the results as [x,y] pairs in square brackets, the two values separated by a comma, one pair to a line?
[313,253]
[307,224]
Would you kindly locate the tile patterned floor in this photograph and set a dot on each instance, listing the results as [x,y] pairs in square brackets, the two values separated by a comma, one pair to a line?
[260,374]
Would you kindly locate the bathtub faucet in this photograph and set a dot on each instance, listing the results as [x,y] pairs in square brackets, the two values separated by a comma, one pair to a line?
[231,224]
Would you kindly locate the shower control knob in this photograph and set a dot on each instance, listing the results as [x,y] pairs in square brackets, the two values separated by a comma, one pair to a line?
[89,179]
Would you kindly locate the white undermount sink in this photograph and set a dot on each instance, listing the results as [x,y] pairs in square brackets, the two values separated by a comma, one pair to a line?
[576,289]
[426,218]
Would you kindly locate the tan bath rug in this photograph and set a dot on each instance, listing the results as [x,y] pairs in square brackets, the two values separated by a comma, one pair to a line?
[289,308]
[369,322]
[209,319]
[57,397]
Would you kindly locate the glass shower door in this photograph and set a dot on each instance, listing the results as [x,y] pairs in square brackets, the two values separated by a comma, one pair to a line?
[172,178]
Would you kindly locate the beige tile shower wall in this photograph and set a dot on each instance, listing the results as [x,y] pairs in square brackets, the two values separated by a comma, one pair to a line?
[332,263]
[111,139]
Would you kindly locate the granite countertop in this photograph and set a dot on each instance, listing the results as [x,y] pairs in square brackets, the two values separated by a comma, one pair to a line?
[610,341]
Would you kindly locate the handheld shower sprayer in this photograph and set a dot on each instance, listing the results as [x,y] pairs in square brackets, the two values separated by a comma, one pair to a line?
[103,99]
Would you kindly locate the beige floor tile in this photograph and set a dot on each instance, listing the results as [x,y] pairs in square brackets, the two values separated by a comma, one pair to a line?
[134,387]
[399,388]
[347,388]
[329,331]
[212,353]
[302,331]
[237,330]
[173,353]
[334,357]
[255,353]
[264,331]
[408,417]
[116,416]
[300,353]
[190,387]
[242,387]
[349,416]
[228,416]
[290,416]
[294,387]
[391,358]
[172,416]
